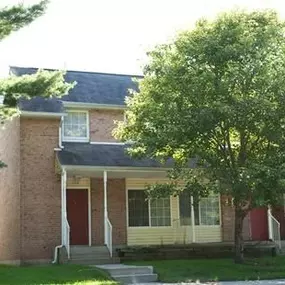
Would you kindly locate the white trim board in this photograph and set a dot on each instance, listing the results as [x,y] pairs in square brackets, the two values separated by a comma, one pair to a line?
[41,114]
[89,106]
[108,143]
[115,168]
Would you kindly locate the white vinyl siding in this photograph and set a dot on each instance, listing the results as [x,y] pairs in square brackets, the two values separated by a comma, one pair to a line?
[174,234]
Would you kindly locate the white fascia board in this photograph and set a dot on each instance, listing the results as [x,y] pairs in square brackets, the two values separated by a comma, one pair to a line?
[81,105]
[108,143]
[41,114]
[115,168]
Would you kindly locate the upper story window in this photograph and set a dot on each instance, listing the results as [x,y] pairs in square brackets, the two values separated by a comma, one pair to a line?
[76,126]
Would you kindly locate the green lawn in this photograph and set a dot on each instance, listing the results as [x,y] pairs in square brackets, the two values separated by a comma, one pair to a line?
[53,275]
[217,269]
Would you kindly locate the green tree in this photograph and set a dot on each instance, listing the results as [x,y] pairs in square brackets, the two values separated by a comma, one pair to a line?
[216,94]
[43,83]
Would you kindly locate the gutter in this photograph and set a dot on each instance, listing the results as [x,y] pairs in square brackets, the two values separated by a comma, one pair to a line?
[116,168]
[31,114]
[82,105]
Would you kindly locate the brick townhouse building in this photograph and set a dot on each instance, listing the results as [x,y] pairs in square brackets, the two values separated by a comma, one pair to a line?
[69,182]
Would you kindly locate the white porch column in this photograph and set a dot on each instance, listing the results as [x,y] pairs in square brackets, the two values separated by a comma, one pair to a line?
[270,225]
[63,206]
[193,220]
[105,207]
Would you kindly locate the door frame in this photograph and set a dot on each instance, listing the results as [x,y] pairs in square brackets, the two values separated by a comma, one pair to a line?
[89,209]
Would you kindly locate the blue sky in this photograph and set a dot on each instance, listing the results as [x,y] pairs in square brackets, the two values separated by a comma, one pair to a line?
[108,35]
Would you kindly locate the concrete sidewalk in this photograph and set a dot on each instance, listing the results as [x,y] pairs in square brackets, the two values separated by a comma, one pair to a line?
[261,282]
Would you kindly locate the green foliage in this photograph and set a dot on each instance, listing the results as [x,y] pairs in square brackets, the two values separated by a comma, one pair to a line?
[43,83]
[16,17]
[67,274]
[216,94]
[211,270]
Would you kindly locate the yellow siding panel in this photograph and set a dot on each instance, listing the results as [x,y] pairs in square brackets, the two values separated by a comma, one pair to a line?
[78,182]
[175,234]
[208,233]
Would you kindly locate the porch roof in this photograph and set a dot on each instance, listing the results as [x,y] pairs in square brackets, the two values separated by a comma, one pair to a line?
[105,155]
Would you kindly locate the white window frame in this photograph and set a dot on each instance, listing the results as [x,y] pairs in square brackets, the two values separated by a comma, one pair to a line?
[149,212]
[199,209]
[219,209]
[77,139]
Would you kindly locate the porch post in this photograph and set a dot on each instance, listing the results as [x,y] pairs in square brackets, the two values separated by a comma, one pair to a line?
[270,225]
[105,207]
[193,220]
[63,206]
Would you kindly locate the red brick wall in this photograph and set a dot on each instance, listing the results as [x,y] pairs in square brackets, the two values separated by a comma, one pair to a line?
[228,221]
[116,209]
[102,124]
[10,192]
[40,189]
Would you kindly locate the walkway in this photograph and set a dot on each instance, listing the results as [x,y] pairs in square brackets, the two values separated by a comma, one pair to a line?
[262,282]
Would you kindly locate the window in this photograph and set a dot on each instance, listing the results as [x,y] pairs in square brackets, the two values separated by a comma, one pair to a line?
[210,210]
[76,126]
[148,213]
[206,210]
[138,209]
[160,212]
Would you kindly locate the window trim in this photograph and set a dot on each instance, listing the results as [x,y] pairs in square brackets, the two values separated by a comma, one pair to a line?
[77,139]
[220,214]
[149,212]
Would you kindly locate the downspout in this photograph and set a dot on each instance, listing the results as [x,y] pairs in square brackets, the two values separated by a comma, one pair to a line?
[63,177]
[63,207]
[60,133]
[105,207]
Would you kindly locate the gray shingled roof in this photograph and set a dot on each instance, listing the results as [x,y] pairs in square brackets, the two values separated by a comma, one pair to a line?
[86,154]
[91,87]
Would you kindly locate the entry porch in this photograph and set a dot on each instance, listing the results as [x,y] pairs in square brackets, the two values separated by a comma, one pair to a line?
[109,207]
[104,204]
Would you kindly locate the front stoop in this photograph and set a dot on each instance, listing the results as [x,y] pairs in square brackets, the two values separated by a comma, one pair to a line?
[130,274]
[92,255]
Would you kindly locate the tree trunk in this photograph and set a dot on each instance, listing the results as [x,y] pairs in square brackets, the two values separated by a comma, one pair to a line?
[239,246]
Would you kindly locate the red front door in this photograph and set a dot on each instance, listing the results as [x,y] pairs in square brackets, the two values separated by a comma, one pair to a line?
[259,224]
[77,215]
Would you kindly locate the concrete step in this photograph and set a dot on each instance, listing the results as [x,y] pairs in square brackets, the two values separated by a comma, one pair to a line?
[116,270]
[130,274]
[95,261]
[88,249]
[137,278]
[90,255]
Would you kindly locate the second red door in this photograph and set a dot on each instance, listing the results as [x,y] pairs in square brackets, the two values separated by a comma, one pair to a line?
[259,224]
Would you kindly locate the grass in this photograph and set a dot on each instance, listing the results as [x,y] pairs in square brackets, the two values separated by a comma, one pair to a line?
[217,269]
[53,275]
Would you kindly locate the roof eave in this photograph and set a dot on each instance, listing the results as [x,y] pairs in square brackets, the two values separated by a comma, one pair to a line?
[34,114]
[82,105]
[114,168]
